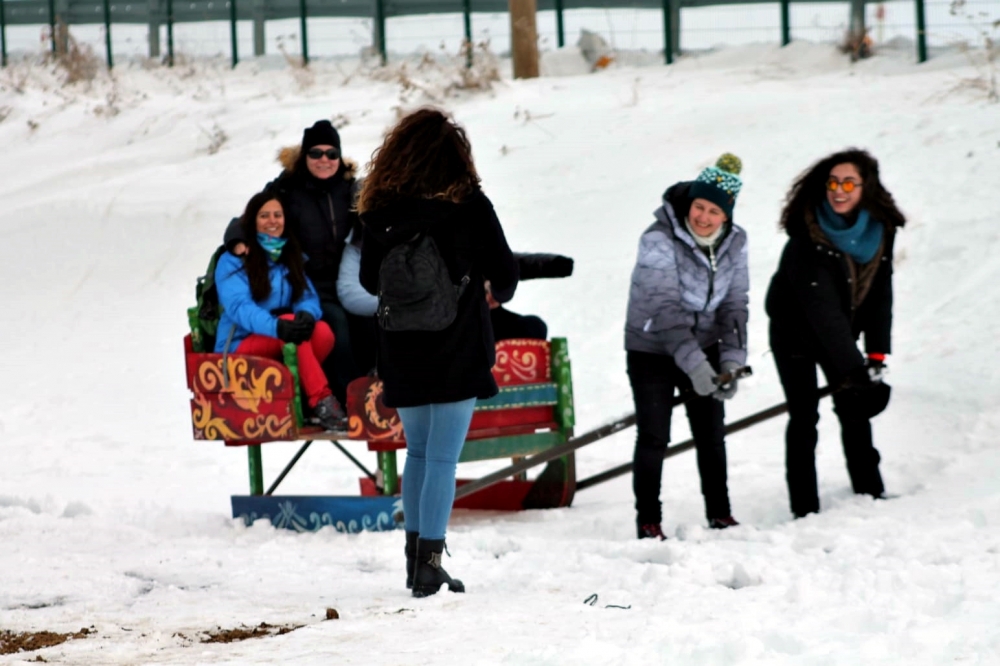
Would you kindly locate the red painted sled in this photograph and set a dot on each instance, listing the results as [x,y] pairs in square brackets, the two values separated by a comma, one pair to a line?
[250,400]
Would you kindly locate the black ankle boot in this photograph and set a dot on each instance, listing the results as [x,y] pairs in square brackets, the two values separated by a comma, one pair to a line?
[428,576]
[411,557]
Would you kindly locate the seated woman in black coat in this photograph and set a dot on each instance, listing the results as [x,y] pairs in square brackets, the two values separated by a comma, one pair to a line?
[834,283]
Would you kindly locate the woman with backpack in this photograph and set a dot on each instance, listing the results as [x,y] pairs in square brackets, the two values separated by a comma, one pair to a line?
[267,300]
[686,326]
[422,197]
[834,282]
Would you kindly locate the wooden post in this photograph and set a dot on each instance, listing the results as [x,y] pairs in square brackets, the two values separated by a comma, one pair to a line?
[857,19]
[921,32]
[524,38]
[786,28]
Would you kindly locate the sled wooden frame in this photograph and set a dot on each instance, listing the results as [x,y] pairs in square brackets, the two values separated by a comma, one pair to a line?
[250,400]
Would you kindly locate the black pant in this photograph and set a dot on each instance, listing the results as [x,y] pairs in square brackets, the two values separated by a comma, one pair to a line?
[507,325]
[797,370]
[339,365]
[654,378]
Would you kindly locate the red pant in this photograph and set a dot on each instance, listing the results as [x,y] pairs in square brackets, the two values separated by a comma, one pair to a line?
[311,355]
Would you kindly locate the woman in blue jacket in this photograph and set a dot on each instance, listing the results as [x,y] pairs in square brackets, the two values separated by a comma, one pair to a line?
[268,301]
[687,317]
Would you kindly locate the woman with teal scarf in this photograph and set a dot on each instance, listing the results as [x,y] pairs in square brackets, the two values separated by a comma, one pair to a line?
[834,282]
[268,301]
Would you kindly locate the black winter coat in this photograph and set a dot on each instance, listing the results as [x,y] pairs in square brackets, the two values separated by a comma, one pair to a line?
[424,367]
[320,215]
[810,305]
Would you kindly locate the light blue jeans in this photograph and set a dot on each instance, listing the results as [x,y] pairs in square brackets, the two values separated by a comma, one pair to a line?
[434,437]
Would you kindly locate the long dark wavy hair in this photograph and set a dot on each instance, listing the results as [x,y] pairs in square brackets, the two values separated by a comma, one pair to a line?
[809,190]
[255,261]
[426,155]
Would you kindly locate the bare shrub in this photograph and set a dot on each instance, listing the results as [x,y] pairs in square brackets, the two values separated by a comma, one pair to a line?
[857,44]
[984,54]
[217,138]
[78,61]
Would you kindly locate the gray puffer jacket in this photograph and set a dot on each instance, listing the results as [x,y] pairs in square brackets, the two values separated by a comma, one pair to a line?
[678,303]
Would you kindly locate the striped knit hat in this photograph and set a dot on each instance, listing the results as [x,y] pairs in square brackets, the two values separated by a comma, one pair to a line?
[720,183]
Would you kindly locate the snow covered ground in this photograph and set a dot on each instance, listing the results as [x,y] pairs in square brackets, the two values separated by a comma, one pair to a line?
[112,517]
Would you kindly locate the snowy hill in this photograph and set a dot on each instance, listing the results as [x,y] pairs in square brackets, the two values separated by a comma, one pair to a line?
[112,517]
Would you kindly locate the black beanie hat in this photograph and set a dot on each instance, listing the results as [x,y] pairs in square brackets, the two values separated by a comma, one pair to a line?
[322,133]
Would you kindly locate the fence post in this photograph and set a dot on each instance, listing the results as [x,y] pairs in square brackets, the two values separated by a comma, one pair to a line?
[858,19]
[921,32]
[52,23]
[560,30]
[305,32]
[467,21]
[170,33]
[379,29]
[668,34]
[232,32]
[259,19]
[3,36]
[524,38]
[786,24]
[107,33]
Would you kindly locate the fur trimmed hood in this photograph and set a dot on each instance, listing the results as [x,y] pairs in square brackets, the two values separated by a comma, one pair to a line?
[288,157]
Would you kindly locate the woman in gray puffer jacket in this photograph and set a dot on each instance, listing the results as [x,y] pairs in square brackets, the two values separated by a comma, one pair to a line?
[687,317]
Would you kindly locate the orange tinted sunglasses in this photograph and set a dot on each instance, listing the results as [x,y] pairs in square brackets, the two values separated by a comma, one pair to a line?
[847,186]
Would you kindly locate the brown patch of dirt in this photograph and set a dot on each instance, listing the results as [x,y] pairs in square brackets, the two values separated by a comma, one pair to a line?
[12,642]
[263,629]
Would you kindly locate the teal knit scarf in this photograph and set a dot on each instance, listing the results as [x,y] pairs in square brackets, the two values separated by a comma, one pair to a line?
[860,240]
[272,245]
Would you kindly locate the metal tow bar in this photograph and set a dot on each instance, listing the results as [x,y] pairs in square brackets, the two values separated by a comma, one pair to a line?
[606,431]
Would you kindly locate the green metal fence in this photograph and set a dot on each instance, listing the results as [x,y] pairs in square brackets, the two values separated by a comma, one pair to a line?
[650,27]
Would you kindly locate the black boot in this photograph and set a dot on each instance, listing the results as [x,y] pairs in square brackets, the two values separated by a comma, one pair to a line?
[428,576]
[411,557]
[330,414]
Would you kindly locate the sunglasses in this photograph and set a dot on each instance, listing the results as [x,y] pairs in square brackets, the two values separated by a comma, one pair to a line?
[316,153]
[847,186]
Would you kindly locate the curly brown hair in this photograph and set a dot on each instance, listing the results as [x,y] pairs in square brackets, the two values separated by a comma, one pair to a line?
[426,156]
[809,190]
[255,261]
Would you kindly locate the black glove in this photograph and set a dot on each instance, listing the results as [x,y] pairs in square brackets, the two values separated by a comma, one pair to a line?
[290,331]
[306,321]
[861,395]
[531,266]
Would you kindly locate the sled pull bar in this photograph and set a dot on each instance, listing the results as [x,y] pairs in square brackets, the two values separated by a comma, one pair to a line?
[573,444]
[545,456]
[687,445]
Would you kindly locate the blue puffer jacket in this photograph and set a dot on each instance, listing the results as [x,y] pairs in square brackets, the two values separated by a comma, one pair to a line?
[678,304]
[244,316]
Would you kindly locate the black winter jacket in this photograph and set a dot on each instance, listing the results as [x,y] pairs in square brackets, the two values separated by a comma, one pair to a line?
[319,213]
[810,305]
[424,367]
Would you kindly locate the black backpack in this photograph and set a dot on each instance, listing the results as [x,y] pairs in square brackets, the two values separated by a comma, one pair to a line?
[204,316]
[415,291]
